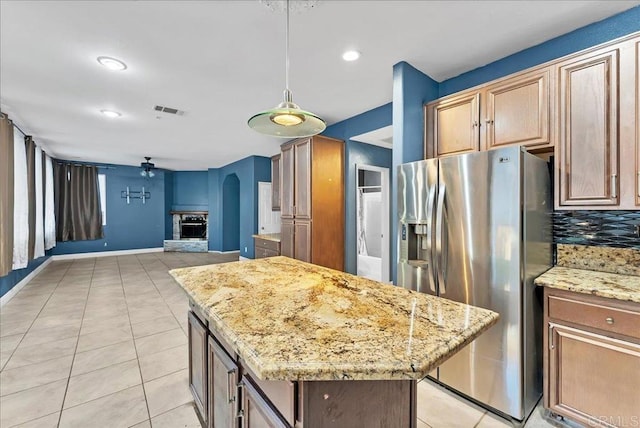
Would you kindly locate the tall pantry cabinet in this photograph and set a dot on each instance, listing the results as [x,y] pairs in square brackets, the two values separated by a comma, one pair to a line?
[312,201]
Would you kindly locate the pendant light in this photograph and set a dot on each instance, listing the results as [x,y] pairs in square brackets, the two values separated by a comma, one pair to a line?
[287,120]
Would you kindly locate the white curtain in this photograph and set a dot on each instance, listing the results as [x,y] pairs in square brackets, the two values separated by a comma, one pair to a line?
[20,203]
[49,207]
[38,249]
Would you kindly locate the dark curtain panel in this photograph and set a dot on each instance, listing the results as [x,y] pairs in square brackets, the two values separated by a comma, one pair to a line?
[77,200]
[31,180]
[6,195]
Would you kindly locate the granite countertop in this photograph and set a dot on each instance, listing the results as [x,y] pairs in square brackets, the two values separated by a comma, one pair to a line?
[290,320]
[269,236]
[603,284]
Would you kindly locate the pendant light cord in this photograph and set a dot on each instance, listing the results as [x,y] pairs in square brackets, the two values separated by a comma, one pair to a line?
[286,74]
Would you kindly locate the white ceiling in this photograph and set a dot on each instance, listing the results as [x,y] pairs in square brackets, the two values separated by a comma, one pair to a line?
[222,61]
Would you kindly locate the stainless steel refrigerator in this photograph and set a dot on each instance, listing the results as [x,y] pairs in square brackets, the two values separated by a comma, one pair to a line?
[476,228]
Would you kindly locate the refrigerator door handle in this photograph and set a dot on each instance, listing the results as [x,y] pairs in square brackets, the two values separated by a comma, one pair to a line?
[439,237]
[430,213]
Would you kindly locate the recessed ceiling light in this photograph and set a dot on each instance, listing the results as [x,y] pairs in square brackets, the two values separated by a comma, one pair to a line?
[112,63]
[351,55]
[110,113]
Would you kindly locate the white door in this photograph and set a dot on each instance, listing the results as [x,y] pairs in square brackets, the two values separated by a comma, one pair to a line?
[268,221]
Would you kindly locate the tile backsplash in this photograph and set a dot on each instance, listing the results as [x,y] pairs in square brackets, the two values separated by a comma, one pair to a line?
[598,228]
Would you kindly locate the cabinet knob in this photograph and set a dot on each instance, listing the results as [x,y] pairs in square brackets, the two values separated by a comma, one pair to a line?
[489,121]
[609,320]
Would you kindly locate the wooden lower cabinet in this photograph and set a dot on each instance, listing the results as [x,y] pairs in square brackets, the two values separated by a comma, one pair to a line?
[198,363]
[266,248]
[256,411]
[592,371]
[223,387]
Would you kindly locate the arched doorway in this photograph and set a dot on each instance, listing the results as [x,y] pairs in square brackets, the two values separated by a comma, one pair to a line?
[231,213]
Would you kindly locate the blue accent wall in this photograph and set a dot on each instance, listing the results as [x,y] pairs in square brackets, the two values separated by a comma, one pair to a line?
[249,171]
[168,204]
[190,191]
[594,34]
[411,90]
[132,226]
[359,153]
[10,280]
[231,213]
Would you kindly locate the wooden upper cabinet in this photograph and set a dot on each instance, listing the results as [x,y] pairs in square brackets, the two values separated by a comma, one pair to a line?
[453,125]
[286,181]
[588,123]
[517,111]
[275,183]
[636,172]
[302,181]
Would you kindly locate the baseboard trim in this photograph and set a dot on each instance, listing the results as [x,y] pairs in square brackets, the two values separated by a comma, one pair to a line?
[224,252]
[243,259]
[106,253]
[9,294]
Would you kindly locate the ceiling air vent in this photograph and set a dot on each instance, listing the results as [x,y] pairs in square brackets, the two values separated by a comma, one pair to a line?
[169,110]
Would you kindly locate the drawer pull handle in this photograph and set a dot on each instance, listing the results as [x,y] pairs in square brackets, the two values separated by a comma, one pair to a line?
[609,320]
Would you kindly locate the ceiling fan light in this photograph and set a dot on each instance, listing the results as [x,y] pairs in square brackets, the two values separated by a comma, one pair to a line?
[151,174]
[143,173]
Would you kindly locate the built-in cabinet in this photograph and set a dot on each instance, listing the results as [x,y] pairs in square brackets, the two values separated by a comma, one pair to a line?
[266,247]
[275,183]
[198,370]
[593,348]
[223,376]
[583,108]
[312,201]
[512,111]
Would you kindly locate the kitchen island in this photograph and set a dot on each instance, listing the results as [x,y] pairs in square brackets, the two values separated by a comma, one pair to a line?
[279,342]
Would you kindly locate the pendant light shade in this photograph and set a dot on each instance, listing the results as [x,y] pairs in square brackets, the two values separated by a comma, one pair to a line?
[287,120]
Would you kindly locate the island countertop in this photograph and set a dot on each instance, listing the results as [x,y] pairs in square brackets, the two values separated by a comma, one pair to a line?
[290,320]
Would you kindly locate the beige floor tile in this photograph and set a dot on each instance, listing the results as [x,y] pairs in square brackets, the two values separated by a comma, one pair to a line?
[99,358]
[163,363]
[98,383]
[32,403]
[168,392]
[183,417]
[145,424]
[25,355]
[159,342]
[538,419]
[103,338]
[92,326]
[56,321]
[26,377]
[10,343]
[11,328]
[441,409]
[49,421]
[154,326]
[421,424]
[493,421]
[38,337]
[121,409]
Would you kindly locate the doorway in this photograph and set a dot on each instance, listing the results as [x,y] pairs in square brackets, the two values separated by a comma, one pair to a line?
[372,222]
[268,220]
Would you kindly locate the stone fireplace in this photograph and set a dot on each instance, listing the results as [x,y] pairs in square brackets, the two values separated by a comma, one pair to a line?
[190,232]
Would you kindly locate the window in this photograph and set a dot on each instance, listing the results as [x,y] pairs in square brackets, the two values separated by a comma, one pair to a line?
[102,187]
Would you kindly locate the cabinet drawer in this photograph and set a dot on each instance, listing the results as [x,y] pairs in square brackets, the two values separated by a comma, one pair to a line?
[268,244]
[598,316]
[261,253]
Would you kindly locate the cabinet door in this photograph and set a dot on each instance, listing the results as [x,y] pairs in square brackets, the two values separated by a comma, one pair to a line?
[456,125]
[256,411]
[637,169]
[223,387]
[517,112]
[302,243]
[286,181]
[584,370]
[198,364]
[588,161]
[275,183]
[287,238]
[302,181]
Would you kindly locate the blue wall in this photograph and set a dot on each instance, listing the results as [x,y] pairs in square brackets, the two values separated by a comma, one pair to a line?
[599,32]
[9,281]
[132,226]
[231,213]
[411,90]
[190,191]
[168,204]
[359,153]
[249,171]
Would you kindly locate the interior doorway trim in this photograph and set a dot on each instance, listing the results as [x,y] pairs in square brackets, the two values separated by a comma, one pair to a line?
[386,226]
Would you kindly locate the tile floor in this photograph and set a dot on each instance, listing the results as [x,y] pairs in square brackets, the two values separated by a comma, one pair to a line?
[102,342]
[99,342]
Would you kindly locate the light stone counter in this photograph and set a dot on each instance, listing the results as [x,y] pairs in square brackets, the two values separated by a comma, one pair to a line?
[603,284]
[268,236]
[290,320]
